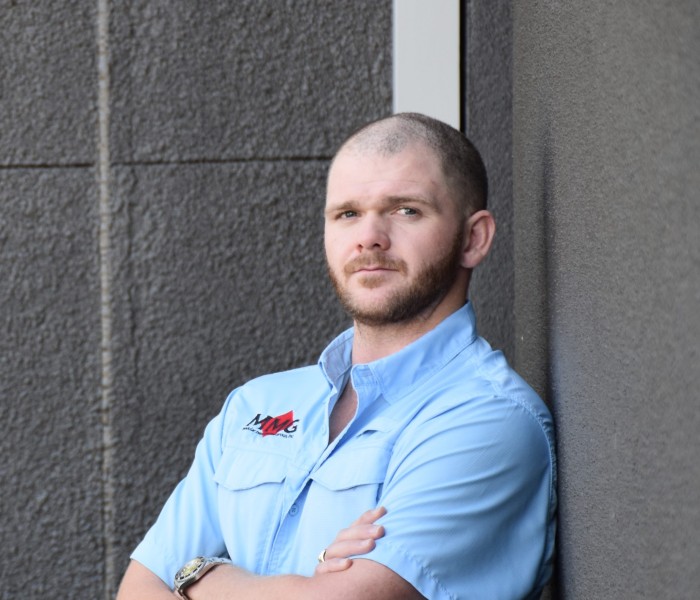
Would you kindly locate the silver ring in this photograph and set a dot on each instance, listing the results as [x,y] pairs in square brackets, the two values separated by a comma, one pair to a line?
[322,557]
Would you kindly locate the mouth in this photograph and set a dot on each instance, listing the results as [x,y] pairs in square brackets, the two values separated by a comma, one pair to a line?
[373,269]
[372,273]
[365,267]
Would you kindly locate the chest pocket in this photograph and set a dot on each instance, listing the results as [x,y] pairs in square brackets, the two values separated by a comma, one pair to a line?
[250,499]
[350,482]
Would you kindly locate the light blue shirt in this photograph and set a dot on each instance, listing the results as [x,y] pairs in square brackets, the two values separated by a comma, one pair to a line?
[447,437]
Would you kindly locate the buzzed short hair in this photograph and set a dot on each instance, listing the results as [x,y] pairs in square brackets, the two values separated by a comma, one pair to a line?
[462,166]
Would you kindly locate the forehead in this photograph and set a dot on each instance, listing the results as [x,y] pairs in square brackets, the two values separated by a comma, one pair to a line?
[358,174]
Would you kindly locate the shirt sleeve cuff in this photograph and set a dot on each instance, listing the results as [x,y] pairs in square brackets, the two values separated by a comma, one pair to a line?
[155,560]
[409,568]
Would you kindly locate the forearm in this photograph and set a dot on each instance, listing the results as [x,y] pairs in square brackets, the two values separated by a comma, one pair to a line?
[226,582]
[221,583]
[363,579]
[339,577]
[139,583]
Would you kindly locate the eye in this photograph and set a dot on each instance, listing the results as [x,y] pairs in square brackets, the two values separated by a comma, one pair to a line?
[407,211]
[347,214]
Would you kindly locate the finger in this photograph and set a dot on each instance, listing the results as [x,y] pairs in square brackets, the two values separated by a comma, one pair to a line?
[360,532]
[370,516]
[333,565]
[347,548]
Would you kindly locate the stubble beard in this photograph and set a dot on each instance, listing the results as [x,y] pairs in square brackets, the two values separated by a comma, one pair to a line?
[405,304]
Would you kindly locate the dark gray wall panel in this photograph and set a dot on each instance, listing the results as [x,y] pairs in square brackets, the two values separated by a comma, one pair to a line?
[488,123]
[50,436]
[252,78]
[607,123]
[219,276]
[48,82]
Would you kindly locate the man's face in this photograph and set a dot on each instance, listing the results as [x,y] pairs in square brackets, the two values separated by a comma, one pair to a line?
[393,236]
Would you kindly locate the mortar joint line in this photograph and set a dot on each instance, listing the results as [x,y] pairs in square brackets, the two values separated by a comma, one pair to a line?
[107,377]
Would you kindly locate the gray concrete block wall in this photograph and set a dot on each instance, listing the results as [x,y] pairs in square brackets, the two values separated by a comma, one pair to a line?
[50,440]
[222,118]
[607,123]
[48,109]
[250,79]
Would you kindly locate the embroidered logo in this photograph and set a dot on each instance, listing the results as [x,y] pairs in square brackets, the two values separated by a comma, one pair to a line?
[283,426]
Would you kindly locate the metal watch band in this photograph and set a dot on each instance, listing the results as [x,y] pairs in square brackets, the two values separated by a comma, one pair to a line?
[193,571]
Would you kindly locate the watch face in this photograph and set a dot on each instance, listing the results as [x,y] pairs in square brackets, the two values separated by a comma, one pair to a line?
[190,568]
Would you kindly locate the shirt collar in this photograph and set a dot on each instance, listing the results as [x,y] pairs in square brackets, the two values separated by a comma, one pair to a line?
[399,373]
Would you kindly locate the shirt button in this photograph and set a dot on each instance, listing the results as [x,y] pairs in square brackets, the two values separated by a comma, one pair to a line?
[293,510]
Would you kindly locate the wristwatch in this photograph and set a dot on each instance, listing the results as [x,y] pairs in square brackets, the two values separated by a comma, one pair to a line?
[193,571]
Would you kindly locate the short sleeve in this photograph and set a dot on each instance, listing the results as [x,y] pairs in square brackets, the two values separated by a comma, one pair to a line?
[188,524]
[469,494]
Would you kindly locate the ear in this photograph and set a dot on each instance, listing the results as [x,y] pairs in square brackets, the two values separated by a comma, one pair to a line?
[479,230]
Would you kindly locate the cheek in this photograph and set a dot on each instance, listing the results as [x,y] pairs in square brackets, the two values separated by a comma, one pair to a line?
[332,251]
[334,243]
[429,249]
[328,242]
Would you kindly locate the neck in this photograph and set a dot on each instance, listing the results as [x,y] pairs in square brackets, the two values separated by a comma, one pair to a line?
[372,342]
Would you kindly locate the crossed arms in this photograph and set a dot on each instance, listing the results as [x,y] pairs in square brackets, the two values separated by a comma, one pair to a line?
[338,577]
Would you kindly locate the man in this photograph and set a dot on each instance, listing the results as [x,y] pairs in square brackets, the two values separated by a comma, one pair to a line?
[409,416]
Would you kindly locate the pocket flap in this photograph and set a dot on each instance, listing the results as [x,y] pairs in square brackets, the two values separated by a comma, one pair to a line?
[376,426]
[242,469]
[354,467]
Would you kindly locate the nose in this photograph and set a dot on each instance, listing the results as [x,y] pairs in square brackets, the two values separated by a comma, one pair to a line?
[373,234]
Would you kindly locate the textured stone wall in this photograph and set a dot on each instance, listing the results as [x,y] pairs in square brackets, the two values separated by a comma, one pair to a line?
[50,436]
[607,281]
[162,170]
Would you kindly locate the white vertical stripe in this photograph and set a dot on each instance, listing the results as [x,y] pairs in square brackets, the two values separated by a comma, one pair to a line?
[426,58]
[104,176]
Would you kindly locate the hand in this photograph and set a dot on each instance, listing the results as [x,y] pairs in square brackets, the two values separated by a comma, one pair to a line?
[358,538]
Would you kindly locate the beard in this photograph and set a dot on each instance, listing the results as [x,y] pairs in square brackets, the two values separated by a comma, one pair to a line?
[429,286]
